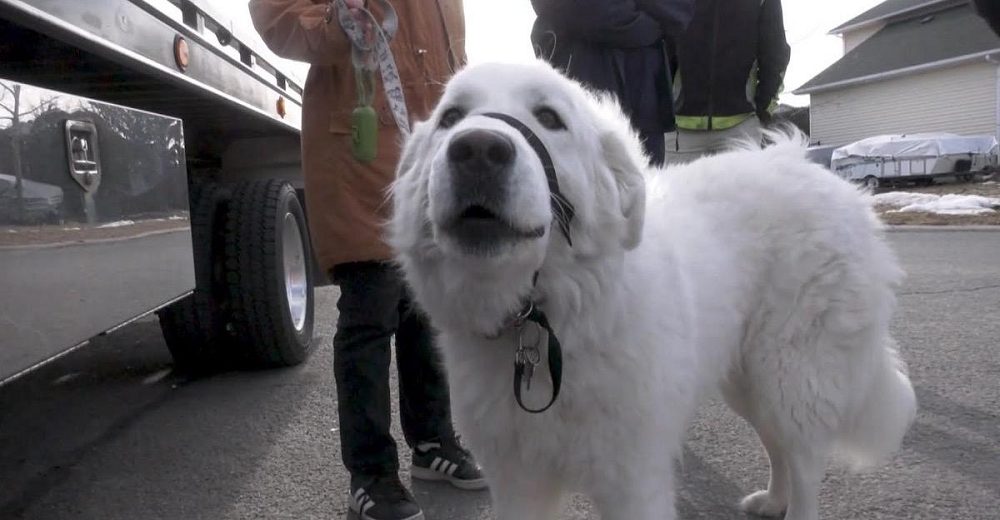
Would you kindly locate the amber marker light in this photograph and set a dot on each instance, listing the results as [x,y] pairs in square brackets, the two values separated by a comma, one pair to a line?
[182,54]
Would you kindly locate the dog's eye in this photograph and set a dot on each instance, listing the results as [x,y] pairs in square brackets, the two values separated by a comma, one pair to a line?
[549,119]
[451,117]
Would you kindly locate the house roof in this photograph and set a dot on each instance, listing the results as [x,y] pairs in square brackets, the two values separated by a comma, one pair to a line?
[883,11]
[945,37]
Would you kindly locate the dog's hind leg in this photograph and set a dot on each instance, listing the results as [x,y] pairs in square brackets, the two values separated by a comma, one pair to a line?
[773,500]
[797,444]
[805,473]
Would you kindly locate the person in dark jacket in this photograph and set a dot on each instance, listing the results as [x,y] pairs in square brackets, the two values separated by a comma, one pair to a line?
[730,64]
[617,46]
[990,10]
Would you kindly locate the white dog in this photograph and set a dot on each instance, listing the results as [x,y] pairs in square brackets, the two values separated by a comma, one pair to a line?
[755,272]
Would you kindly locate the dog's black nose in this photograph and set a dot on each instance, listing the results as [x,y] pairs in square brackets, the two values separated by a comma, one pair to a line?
[481,151]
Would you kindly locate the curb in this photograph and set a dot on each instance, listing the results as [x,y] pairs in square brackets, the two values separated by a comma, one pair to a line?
[94,241]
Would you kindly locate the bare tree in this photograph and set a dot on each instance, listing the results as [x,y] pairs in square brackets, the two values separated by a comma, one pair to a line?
[11,110]
[15,115]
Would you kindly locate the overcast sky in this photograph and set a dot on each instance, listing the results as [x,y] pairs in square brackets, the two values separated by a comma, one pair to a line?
[499,29]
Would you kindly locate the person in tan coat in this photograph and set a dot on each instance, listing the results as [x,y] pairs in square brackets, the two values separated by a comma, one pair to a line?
[347,203]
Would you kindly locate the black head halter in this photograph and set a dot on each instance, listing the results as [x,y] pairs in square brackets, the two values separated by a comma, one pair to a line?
[562,209]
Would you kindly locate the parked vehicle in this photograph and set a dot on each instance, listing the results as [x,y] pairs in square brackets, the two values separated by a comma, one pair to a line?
[920,158]
[29,201]
[820,154]
[149,162]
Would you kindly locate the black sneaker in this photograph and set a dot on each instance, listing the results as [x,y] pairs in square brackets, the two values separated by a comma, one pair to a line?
[382,498]
[446,461]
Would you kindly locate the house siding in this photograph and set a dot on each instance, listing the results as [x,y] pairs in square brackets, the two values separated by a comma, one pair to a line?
[961,100]
[856,37]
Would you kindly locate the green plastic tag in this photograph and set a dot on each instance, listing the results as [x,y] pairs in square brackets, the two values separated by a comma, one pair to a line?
[364,133]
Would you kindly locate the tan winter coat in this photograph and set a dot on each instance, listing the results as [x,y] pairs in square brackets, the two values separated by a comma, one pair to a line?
[347,201]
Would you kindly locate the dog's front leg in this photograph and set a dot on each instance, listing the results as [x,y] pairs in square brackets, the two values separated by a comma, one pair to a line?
[646,493]
[525,497]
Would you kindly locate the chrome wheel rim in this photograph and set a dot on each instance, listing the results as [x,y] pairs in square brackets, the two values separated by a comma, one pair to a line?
[294,263]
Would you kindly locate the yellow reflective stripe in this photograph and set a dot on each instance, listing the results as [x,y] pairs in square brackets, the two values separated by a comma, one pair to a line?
[718,123]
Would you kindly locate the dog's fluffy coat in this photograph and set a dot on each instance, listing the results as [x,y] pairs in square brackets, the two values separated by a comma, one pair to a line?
[754,272]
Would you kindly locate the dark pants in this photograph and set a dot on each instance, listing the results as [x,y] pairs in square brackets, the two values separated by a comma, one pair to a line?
[373,306]
[655,145]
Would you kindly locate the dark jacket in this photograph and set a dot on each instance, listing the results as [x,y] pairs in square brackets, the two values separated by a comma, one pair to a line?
[616,46]
[990,10]
[730,63]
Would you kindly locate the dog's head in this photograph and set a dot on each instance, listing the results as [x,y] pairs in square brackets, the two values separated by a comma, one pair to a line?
[475,212]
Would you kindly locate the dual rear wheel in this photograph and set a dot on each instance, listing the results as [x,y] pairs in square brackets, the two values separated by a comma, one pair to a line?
[253,305]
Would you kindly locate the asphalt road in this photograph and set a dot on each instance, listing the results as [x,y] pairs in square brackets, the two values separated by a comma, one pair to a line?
[109,432]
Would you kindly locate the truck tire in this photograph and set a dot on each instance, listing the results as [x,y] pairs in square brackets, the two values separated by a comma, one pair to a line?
[268,274]
[194,327]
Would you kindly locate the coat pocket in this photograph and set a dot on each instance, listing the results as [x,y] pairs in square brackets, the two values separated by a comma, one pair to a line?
[340,121]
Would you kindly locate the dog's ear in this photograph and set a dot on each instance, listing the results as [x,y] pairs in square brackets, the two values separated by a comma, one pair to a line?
[627,167]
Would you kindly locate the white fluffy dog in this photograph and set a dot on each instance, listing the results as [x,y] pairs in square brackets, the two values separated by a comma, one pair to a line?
[755,272]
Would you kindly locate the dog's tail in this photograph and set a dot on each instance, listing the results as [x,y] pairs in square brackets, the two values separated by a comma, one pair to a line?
[888,409]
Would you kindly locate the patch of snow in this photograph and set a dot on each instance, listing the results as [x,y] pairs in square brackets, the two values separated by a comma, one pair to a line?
[898,199]
[949,204]
[176,217]
[120,223]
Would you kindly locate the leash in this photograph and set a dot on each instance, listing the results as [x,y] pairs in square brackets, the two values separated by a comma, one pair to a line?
[367,56]
[527,355]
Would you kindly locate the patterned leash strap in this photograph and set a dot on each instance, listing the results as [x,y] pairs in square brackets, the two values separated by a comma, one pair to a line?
[368,55]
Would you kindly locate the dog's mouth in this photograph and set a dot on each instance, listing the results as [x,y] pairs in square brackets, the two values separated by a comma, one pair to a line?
[479,213]
[482,231]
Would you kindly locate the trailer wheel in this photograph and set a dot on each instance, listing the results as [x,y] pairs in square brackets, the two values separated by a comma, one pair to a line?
[194,327]
[872,182]
[268,274]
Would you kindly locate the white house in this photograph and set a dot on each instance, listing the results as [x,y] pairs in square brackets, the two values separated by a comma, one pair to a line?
[909,66]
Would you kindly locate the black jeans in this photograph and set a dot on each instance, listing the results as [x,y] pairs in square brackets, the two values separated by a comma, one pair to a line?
[373,306]
[655,145]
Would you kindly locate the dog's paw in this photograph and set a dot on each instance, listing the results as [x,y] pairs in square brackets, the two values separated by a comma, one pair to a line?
[762,503]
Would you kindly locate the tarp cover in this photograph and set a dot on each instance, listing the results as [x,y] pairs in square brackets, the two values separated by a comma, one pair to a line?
[916,146]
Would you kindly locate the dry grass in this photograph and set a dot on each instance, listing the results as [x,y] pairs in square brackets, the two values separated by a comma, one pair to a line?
[919,218]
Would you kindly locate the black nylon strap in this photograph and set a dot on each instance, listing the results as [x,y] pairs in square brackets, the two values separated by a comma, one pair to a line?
[555,363]
[562,208]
